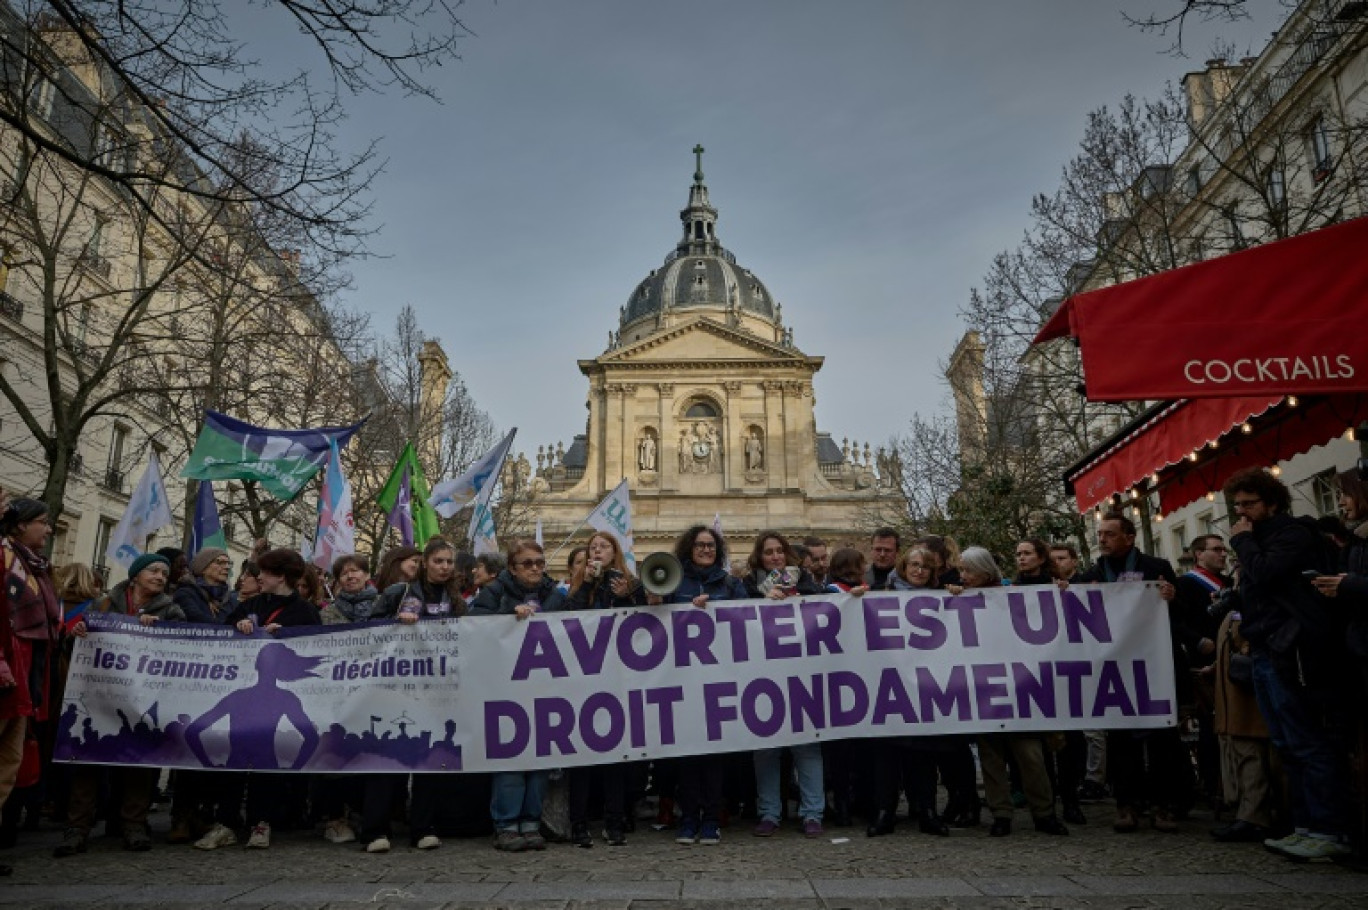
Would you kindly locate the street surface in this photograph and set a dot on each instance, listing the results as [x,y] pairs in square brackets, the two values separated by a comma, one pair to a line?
[1093,868]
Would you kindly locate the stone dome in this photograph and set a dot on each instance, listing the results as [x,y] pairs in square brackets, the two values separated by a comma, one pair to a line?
[699,272]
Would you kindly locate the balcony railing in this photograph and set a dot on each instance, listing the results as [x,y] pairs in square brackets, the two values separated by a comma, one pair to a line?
[114,480]
[76,466]
[11,308]
[94,263]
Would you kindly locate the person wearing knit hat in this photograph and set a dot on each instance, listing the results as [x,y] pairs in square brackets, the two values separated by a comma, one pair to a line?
[142,594]
[145,560]
[205,558]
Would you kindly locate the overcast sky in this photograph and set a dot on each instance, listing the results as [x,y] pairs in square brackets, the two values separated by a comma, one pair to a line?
[867,160]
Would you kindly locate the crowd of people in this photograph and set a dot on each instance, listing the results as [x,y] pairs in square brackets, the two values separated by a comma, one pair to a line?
[1269,635]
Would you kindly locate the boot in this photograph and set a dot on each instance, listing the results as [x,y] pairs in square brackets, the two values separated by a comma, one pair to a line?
[929,822]
[885,823]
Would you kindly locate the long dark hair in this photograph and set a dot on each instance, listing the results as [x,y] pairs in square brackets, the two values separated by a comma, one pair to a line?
[451,585]
[1042,551]
[754,561]
[389,566]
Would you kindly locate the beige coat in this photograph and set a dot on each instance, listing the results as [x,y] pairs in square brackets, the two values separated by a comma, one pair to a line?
[1237,713]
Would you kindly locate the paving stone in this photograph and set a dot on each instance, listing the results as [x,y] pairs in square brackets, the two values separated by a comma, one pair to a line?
[527,891]
[59,894]
[746,889]
[1329,882]
[828,889]
[1028,886]
[1174,884]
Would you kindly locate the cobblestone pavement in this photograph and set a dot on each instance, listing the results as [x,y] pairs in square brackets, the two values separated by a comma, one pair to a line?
[1093,868]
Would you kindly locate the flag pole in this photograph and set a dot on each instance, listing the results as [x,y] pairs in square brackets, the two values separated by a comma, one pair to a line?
[579,527]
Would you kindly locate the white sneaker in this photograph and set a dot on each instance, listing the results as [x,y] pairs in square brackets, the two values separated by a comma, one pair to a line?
[339,832]
[428,842]
[379,845]
[215,837]
[261,837]
[1281,844]
[1313,847]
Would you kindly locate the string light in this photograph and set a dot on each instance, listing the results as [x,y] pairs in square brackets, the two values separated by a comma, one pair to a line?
[1292,401]
[1133,494]
[1192,456]
[1277,471]
[1154,479]
[1246,429]
[1158,517]
[1349,434]
[1211,497]
[1215,444]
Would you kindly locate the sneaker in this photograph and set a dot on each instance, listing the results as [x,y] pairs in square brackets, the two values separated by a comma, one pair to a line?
[379,845]
[766,828]
[1125,820]
[711,834]
[1281,844]
[137,839]
[534,840]
[73,842]
[1164,821]
[509,841]
[1313,848]
[260,838]
[215,837]
[812,828]
[580,836]
[339,832]
[688,831]
[428,842]
[615,836]
[1090,791]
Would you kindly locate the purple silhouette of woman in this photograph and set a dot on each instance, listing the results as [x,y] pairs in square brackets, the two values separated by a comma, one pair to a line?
[253,714]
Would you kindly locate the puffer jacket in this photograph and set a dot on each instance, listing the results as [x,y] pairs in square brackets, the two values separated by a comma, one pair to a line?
[504,594]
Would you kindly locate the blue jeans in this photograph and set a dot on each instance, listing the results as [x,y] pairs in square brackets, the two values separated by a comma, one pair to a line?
[1317,782]
[807,762]
[517,801]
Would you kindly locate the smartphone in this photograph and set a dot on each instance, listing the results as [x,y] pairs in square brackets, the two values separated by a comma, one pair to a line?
[1310,574]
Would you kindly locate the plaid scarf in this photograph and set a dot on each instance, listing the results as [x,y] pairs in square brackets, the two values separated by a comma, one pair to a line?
[34,610]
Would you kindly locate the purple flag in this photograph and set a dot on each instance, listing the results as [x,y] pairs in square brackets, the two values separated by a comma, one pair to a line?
[401,515]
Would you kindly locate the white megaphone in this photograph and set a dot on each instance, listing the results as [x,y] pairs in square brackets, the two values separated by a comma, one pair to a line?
[661,574]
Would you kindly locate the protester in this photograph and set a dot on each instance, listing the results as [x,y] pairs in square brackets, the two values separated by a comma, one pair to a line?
[600,581]
[465,565]
[1194,627]
[845,759]
[201,594]
[573,563]
[487,568]
[399,564]
[775,574]
[29,635]
[847,572]
[817,558]
[279,605]
[979,570]
[310,586]
[702,552]
[353,601]
[1249,775]
[142,594]
[947,551]
[1143,764]
[917,569]
[1351,581]
[1297,659]
[884,547]
[521,590]
[1034,566]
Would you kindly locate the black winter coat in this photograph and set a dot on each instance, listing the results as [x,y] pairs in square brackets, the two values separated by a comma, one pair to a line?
[1282,611]
[505,593]
[714,581]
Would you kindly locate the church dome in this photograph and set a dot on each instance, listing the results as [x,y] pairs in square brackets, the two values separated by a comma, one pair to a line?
[699,273]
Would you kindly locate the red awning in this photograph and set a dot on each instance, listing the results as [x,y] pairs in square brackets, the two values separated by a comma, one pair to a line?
[1166,439]
[1278,431]
[1285,318]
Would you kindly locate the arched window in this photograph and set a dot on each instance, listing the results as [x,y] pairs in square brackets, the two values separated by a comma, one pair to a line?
[701,409]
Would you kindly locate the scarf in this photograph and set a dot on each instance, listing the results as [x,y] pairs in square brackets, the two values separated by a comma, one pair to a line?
[356,607]
[1132,560]
[34,610]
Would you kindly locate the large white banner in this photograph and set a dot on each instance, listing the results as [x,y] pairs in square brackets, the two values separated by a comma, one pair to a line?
[578,688]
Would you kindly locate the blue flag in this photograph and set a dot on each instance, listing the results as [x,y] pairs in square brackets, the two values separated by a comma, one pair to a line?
[205,530]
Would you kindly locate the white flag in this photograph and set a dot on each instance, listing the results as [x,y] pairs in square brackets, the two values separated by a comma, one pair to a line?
[614,516]
[148,510]
[717,529]
[451,496]
[538,536]
[481,532]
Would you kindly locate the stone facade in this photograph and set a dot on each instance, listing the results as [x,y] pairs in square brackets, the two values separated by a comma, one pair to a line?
[705,405]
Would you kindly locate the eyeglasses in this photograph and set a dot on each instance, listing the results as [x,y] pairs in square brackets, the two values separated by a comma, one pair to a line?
[531,563]
[704,545]
[1246,503]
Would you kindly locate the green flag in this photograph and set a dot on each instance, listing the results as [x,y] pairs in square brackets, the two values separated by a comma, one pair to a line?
[406,482]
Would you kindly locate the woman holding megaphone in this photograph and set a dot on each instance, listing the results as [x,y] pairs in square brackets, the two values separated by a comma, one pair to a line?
[599,582]
[702,555]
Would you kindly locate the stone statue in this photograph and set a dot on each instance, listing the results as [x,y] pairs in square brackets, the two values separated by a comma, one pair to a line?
[755,452]
[685,458]
[714,451]
[646,453]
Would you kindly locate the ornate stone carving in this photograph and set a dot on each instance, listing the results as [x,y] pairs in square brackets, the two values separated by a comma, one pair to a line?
[755,449]
[700,448]
[773,385]
[666,389]
[794,388]
[732,386]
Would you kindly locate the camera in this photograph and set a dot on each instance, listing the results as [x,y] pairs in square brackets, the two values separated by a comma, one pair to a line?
[1223,603]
